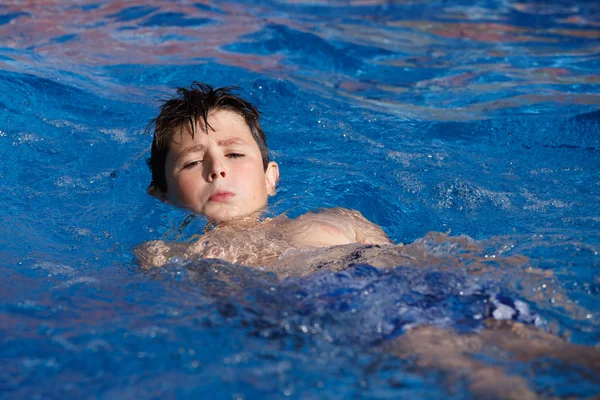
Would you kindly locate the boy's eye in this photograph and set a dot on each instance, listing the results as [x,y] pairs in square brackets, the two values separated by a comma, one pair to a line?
[235,155]
[191,164]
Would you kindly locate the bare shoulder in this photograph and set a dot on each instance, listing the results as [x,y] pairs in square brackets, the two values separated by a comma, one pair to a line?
[364,230]
[342,226]
[157,253]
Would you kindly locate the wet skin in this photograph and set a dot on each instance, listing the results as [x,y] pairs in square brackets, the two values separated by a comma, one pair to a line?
[218,172]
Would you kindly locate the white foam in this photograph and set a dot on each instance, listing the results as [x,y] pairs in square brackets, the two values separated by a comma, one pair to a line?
[56,269]
[503,311]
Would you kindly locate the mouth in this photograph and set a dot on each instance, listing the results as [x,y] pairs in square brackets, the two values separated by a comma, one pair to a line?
[221,196]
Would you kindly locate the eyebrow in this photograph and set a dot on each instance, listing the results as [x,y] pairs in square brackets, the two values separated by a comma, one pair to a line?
[230,141]
[221,143]
[191,149]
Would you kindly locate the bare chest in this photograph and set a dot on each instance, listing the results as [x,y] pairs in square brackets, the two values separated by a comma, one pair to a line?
[256,247]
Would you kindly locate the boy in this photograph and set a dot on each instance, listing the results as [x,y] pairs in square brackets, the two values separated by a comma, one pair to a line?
[209,155]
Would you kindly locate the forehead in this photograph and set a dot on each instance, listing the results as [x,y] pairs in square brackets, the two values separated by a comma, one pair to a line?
[225,124]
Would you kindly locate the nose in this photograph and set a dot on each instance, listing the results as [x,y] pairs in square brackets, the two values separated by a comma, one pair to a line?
[216,169]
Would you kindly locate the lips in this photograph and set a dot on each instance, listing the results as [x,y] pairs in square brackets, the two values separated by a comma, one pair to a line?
[221,196]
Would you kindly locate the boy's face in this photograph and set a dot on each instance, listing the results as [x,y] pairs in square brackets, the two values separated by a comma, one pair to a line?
[219,174]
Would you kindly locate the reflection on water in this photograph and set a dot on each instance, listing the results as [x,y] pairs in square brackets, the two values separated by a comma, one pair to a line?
[414,59]
[477,119]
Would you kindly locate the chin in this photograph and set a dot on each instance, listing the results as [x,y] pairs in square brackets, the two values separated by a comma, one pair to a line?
[217,218]
[229,215]
[221,215]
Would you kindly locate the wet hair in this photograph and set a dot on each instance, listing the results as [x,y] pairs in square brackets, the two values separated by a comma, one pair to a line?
[188,107]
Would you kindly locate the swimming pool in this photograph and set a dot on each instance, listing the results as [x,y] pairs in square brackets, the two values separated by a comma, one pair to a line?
[474,118]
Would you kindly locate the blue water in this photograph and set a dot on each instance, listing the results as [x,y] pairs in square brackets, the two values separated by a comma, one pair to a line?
[478,119]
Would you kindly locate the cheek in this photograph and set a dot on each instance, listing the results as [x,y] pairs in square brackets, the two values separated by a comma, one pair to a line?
[187,186]
[252,180]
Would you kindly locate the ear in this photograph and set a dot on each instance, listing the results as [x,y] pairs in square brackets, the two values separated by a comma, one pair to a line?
[271,177]
[154,191]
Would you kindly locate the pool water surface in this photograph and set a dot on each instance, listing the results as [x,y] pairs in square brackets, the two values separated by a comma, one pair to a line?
[468,130]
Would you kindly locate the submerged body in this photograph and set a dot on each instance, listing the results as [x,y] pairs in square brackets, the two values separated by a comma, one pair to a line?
[267,243]
[414,290]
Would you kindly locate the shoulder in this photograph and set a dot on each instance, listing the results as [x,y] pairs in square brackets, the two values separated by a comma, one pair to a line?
[336,215]
[157,253]
[363,230]
[318,229]
[151,254]
[330,214]
[327,217]
[345,223]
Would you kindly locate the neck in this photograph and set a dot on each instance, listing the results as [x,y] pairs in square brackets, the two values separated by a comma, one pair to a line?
[241,222]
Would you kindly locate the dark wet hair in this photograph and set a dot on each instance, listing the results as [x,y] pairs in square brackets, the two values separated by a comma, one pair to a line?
[191,105]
